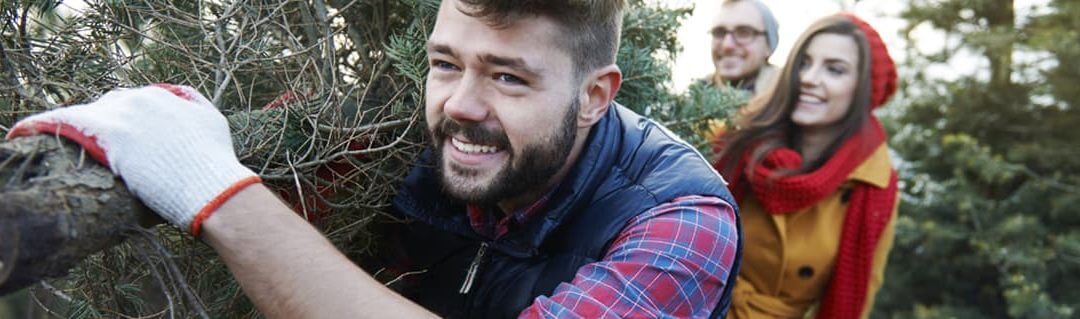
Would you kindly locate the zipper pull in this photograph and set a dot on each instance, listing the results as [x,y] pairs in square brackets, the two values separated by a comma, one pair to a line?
[470,276]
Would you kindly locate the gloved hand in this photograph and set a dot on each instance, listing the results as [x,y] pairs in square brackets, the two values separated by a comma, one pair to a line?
[168,143]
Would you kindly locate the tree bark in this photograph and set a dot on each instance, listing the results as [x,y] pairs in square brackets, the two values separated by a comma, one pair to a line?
[57,206]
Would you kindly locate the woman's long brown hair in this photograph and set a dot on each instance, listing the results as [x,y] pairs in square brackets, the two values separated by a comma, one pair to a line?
[765,122]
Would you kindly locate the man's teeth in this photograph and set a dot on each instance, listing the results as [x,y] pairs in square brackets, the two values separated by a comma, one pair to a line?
[472,148]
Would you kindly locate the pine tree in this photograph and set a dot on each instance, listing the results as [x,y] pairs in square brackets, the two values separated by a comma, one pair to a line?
[990,167]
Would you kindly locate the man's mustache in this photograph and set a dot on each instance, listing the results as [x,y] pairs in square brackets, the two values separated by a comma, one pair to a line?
[475,133]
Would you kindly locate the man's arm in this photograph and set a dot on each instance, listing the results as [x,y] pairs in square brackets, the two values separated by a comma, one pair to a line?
[173,149]
[671,261]
[289,270]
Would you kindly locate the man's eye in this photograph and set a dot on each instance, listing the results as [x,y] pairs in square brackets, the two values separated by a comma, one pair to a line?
[443,65]
[744,32]
[507,78]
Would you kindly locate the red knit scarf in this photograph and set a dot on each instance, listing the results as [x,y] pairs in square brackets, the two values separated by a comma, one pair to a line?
[868,211]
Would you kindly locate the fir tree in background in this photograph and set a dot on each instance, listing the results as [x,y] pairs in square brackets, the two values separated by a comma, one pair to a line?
[324,97]
[647,49]
[989,224]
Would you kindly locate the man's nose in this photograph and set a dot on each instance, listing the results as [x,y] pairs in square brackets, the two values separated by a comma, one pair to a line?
[466,102]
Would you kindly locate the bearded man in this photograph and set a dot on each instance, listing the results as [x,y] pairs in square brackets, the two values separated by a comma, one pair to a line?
[539,196]
[744,35]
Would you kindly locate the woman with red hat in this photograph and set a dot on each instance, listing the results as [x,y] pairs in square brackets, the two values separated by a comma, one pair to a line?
[810,170]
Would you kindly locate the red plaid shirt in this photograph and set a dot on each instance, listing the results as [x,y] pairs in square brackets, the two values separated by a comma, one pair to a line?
[670,261]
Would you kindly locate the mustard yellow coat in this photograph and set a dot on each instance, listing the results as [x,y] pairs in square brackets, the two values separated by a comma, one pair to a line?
[788,259]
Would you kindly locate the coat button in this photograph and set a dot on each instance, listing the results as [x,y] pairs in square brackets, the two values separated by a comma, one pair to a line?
[806,272]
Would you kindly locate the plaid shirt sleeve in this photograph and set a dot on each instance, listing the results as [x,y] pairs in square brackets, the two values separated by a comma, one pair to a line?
[671,261]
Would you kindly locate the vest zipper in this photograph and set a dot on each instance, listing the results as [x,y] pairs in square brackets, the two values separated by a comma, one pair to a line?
[470,276]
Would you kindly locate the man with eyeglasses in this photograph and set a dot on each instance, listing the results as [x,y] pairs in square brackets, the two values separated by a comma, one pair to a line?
[744,35]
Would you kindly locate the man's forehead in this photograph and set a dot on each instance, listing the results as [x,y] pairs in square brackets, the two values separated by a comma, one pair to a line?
[531,40]
[738,13]
[500,53]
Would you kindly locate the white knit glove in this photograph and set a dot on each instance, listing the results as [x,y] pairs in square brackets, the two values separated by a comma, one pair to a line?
[168,143]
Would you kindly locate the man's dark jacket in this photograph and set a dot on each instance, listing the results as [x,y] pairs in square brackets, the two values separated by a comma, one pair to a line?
[630,165]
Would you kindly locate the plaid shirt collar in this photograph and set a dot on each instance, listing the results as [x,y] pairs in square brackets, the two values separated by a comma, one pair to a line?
[482,218]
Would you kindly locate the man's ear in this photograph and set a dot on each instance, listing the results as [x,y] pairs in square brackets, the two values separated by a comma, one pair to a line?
[598,90]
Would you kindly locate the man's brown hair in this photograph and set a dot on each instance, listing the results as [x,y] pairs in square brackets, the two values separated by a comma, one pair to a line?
[590,28]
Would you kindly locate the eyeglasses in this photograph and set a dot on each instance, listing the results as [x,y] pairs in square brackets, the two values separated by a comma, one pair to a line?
[742,34]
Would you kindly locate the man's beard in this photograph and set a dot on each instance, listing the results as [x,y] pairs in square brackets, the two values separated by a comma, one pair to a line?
[523,172]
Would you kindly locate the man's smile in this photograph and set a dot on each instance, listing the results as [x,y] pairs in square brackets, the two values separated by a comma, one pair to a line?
[470,154]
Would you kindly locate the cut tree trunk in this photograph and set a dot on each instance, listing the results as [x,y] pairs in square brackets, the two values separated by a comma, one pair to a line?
[57,206]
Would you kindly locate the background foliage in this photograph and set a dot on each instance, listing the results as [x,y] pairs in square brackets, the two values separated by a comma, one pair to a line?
[990,166]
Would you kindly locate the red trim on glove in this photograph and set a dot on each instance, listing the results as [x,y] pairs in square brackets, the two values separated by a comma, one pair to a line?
[220,199]
[88,142]
[176,90]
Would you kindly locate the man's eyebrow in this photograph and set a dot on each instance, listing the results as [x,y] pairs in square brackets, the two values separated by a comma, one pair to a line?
[733,27]
[517,64]
[440,48]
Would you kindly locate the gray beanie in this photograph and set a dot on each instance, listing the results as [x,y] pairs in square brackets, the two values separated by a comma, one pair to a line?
[771,27]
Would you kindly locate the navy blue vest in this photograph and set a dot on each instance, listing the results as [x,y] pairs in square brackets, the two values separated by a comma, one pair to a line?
[630,164]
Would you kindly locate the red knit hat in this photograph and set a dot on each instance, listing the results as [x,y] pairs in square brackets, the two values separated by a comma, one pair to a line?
[882,68]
